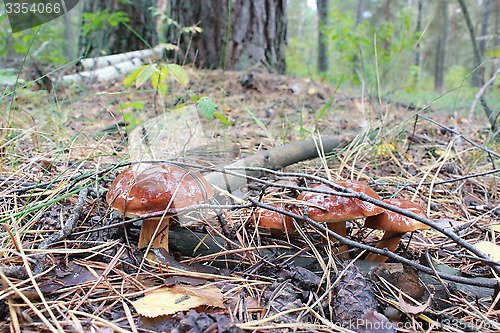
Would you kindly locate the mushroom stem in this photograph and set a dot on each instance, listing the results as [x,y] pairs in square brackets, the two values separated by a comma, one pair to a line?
[390,240]
[340,229]
[154,231]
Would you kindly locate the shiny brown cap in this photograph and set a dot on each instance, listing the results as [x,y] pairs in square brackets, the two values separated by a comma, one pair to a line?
[148,188]
[392,221]
[338,208]
[266,218]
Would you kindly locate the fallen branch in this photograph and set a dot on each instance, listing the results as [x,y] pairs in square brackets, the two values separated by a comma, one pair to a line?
[273,159]
[66,230]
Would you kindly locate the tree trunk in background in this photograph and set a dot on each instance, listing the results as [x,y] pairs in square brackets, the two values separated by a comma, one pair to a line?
[256,33]
[117,39]
[487,6]
[477,79]
[359,11]
[69,35]
[442,14]
[355,60]
[387,17]
[496,38]
[322,41]
[418,29]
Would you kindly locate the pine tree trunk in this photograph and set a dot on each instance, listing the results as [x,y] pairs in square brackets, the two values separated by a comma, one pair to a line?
[487,6]
[477,80]
[442,12]
[322,41]
[236,34]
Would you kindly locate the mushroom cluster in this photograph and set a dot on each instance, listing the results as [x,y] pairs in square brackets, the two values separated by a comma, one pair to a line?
[335,210]
[146,188]
[394,225]
[277,223]
[151,188]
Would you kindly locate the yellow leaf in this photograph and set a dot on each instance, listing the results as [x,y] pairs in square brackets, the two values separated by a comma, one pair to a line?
[444,153]
[179,73]
[385,149]
[170,300]
[495,227]
[312,91]
[491,249]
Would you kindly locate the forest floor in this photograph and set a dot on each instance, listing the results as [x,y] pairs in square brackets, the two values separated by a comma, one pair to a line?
[69,264]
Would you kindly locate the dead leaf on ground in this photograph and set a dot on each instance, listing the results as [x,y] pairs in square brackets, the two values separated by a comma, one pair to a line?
[170,300]
[413,309]
[491,249]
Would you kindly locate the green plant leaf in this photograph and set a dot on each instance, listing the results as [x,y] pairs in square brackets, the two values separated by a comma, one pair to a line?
[19,48]
[144,75]
[136,105]
[179,73]
[223,119]
[129,80]
[169,46]
[131,120]
[206,107]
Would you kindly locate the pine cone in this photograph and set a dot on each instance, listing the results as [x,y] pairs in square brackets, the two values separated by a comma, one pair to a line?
[353,297]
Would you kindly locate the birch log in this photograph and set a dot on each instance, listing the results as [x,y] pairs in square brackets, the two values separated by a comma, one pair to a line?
[89,64]
[106,73]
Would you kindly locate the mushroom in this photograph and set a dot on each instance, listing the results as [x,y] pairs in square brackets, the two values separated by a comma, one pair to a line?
[277,223]
[336,210]
[149,188]
[394,225]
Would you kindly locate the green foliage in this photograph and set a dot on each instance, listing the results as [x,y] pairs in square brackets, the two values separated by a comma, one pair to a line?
[129,117]
[47,45]
[159,74]
[370,50]
[98,20]
[301,49]
[205,106]
[299,57]
[455,76]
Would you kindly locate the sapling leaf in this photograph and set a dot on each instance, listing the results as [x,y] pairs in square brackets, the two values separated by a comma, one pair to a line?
[144,74]
[129,80]
[206,107]
[179,73]
[169,46]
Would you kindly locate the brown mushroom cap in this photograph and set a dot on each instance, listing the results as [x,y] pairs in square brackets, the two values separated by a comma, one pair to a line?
[266,218]
[148,188]
[392,221]
[338,208]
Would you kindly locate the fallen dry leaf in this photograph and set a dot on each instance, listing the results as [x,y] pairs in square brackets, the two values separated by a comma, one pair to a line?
[170,300]
[495,227]
[491,249]
[412,309]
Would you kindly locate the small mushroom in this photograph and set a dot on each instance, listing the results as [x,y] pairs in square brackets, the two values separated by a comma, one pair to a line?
[277,223]
[336,210]
[149,188]
[394,225]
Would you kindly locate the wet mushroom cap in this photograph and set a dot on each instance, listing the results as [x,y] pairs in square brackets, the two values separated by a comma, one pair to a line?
[148,188]
[266,218]
[338,208]
[392,221]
